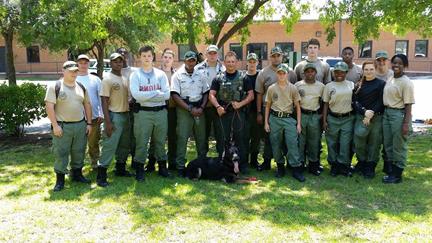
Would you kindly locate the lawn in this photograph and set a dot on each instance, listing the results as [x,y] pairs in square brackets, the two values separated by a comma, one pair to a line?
[321,209]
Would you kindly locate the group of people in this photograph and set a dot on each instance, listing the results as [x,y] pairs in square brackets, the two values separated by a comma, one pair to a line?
[135,110]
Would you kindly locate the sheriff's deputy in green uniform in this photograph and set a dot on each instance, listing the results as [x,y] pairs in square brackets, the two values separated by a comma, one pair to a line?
[68,107]
[150,88]
[338,120]
[311,92]
[398,100]
[190,92]
[281,99]
[229,95]
[116,127]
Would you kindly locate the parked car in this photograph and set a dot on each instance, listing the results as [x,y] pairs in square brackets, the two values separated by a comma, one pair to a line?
[331,60]
[93,66]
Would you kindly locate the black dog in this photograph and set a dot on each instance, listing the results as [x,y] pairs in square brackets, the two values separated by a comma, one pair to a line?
[226,169]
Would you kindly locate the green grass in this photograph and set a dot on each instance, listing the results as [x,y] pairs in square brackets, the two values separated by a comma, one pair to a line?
[275,210]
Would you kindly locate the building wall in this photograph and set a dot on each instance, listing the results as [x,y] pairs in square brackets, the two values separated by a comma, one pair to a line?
[267,32]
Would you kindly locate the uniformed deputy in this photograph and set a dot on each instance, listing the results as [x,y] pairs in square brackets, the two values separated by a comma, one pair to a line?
[190,92]
[338,120]
[116,126]
[208,70]
[398,100]
[265,78]
[281,99]
[323,69]
[68,107]
[150,88]
[229,95]
[311,92]
[368,104]
[253,132]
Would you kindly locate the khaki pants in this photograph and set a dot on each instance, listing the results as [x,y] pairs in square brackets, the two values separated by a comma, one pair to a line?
[93,142]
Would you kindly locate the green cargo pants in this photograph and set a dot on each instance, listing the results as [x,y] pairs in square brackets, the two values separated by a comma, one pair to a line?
[310,137]
[283,129]
[172,138]
[73,143]
[395,144]
[339,135]
[154,125]
[185,126]
[118,143]
[368,139]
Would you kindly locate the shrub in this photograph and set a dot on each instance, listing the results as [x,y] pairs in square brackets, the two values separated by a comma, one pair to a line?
[20,105]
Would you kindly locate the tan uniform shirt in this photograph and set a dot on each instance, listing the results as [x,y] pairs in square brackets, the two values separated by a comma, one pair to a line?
[282,99]
[267,77]
[69,106]
[117,89]
[323,71]
[339,96]
[398,92]
[310,94]
[189,86]
[354,74]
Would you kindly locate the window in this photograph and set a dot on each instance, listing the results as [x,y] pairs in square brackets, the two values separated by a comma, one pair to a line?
[304,48]
[238,49]
[33,54]
[258,48]
[286,47]
[365,50]
[182,49]
[401,47]
[421,48]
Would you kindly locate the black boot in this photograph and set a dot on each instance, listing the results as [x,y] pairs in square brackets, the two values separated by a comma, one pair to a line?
[265,165]
[344,170]
[298,174]
[121,170]
[359,167]
[181,172]
[163,171]
[334,169]
[369,171]
[134,164]
[60,181]
[395,176]
[78,176]
[387,167]
[139,176]
[172,166]
[313,168]
[101,178]
[254,160]
[280,170]
[151,164]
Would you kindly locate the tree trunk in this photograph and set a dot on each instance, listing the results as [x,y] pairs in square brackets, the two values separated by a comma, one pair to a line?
[10,71]
[100,46]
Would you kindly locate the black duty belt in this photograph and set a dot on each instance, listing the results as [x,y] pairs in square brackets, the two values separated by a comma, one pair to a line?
[340,114]
[391,108]
[280,114]
[309,111]
[69,122]
[153,108]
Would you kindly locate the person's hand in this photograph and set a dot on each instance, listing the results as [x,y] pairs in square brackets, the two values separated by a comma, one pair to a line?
[324,126]
[88,129]
[221,111]
[109,128]
[259,118]
[196,112]
[299,128]
[405,129]
[58,131]
[99,120]
[236,105]
[366,121]
[267,127]
[369,114]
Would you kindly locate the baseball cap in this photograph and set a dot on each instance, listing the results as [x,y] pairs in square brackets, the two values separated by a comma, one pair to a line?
[275,50]
[381,54]
[309,65]
[190,55]
[211,48]
[252,56]
[283,67]
[70,65]
[116,55]
[83,56]
[341,66]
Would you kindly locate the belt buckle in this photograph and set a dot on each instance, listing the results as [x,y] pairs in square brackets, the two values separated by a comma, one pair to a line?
[280,114]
